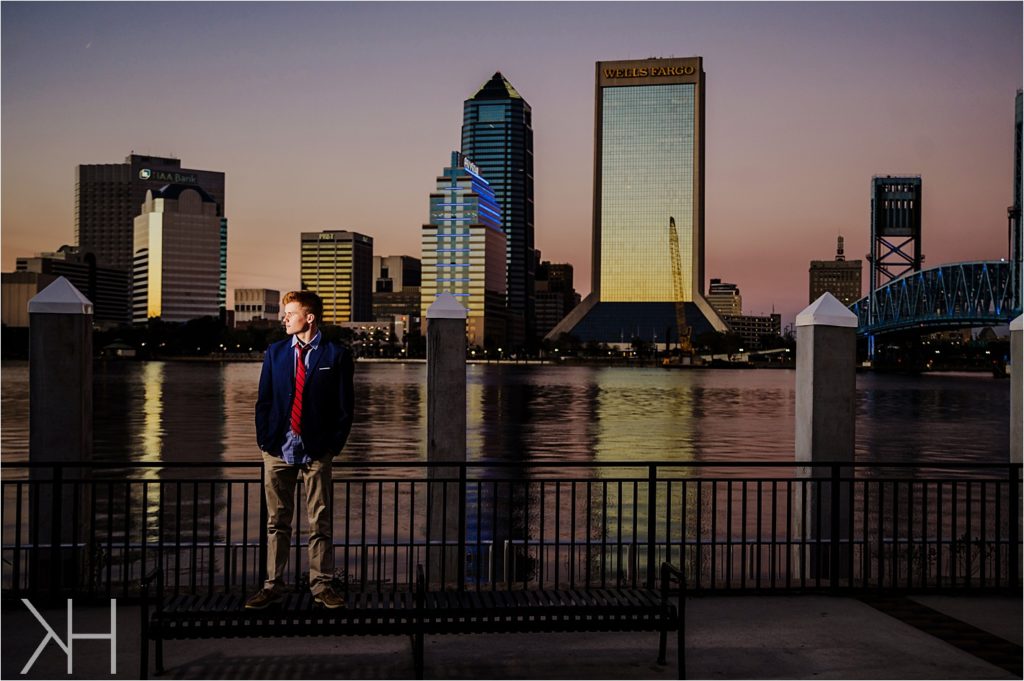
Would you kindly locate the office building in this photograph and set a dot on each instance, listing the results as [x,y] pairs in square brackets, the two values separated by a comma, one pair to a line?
[725,297]
[752,328]
[464,252]
[555,295]
[256,305]
[840,277]
[17,289]
[107,288]
[109,196]
[393,273]
[337,265]
[497,134]
[396,294]
[176,272]
[648,232]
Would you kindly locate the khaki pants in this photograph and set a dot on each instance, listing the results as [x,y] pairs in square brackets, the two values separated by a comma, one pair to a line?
[281,478]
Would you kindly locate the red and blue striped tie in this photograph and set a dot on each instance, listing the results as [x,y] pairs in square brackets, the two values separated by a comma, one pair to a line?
[300,382]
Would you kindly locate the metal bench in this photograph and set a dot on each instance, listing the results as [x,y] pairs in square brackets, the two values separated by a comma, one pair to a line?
[415,614]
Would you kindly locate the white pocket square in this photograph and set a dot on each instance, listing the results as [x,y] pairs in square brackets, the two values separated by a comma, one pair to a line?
[325,368]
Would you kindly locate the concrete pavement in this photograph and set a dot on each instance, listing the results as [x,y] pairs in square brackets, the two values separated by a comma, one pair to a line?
[734,637]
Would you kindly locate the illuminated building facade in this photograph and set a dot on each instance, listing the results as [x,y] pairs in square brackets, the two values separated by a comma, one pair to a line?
[106,287]
[257,305]
[337,265]
[1014,211]
[555,295]
[840,277]
[463,252]
[177,256]
[109,196]
[752,328]
[725,297]
[648,173]
[396,292]
[497,134]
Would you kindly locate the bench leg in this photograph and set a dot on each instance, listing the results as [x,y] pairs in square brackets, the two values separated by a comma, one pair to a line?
[680,652]
[417,655]
[662,645]
[144,659]
[159,656]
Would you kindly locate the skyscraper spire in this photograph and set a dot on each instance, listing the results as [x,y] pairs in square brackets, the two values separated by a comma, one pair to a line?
[497,135]
[497,87]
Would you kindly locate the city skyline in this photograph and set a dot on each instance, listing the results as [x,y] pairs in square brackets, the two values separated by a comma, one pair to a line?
[306,109]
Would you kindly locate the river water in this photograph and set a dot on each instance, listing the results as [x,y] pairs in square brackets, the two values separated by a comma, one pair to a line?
[200,411]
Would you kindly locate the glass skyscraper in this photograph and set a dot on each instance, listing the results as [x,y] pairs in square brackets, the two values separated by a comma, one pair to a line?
[648,173]
[497,134]
[463,252]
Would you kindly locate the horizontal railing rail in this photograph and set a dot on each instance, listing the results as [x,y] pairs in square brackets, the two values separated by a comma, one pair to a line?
[97,528]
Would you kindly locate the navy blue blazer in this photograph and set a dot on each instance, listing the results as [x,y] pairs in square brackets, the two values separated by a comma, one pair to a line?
[327,399]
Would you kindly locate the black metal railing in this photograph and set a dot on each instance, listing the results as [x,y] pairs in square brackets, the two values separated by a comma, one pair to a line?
[732,526]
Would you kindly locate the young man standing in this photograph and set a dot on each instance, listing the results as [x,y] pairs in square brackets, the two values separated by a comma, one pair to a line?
[303,418]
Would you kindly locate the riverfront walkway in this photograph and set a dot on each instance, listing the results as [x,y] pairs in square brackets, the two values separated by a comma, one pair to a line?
[728,637]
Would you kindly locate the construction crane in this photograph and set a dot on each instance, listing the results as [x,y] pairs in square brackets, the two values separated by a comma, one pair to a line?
[685,346]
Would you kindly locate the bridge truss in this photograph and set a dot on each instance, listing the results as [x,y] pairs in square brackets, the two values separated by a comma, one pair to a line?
[956,295]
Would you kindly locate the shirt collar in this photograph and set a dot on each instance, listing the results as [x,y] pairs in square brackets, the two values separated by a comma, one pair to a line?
[314,343]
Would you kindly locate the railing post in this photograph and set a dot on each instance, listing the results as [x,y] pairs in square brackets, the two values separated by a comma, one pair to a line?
[1016,436]
[462,526]
[1016,389]
[652,522]
[1013,573]
[264,518]
[834,565]
[56,530]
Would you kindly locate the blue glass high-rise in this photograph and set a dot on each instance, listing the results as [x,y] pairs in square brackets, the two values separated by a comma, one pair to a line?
[497,134]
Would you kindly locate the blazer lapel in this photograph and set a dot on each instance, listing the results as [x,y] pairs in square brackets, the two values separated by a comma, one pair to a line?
[315,355]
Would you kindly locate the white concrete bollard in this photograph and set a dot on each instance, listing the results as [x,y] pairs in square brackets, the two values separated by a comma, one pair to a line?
[446,435]
[826,428]
[60,423]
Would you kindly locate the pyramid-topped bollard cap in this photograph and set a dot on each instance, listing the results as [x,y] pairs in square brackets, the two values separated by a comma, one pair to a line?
[826,311]
[446,306]
[60,297]
[1017,324]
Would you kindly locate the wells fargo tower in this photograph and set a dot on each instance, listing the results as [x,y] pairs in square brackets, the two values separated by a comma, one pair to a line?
[648,174]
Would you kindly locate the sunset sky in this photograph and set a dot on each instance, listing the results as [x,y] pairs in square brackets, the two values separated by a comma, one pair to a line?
[341,115]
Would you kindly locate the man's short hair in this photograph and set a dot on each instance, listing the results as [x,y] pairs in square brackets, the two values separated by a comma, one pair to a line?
[308,300]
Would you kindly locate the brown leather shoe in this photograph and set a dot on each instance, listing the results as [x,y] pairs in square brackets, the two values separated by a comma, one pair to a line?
[329,598]
[264,598]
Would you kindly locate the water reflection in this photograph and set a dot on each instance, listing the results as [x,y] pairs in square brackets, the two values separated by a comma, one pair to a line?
[184,411]
[152,410]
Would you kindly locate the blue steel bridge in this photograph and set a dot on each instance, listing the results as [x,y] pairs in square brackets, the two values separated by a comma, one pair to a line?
[951,296]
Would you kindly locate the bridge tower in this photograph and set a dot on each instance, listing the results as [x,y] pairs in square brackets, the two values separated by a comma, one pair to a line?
[895,233]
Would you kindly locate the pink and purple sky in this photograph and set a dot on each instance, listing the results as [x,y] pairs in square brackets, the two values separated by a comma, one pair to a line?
[341,115]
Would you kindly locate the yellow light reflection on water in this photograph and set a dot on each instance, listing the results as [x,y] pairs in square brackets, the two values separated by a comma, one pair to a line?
[152,410]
